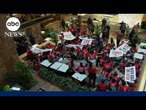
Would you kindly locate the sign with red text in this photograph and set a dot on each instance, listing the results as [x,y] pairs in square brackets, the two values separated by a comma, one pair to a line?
[116,53]
[130,74]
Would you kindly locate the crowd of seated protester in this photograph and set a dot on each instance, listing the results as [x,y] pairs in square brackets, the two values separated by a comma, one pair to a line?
[99,51]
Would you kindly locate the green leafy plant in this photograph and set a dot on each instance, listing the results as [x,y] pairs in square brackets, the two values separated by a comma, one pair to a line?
[97,30]
[6,88]
[54,39]
[49,32]
[65,83]
[21,75]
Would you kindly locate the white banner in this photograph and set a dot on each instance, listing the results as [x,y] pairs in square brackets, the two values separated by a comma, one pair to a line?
[138,56]
[68,36]
[116,53]
[37,50]
[130,74]
[124,47]
[141,49]
[74,46]
[86,42]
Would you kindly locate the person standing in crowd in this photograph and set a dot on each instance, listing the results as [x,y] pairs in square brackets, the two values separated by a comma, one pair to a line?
[119,37]
[122,27]
[89,21]
[106,32]
[133,38]
[104,21]
[90,25]
[92,74]
[79,21]
[63,24]
[31,39]
[112,42]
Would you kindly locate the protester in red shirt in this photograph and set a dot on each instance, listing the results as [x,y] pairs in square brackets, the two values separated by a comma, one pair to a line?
[134,49]
[137,67]
[122,65]
[106,74]
[116,76]
[101,61]
[113,84]
[101,86]
[85,52]
[50,46]
[94,54]
[29,54]
[92,74]
[123,87]
[78,50]
[36,65]
[81,69]
[108,65]
[51,56]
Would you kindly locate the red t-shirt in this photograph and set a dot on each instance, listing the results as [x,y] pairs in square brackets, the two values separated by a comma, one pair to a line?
[137,66]
[101,61]
[29,53]
[102,86]
[116,78]
[51,46]
[112,84]
[122,65]
[85,53]
[134,49]
[107,65]
[78,50]
[124,88]
[92,70]
[81,69]
[36,67]
[107,74]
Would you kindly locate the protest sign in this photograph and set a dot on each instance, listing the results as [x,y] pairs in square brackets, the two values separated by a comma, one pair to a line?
[130,74]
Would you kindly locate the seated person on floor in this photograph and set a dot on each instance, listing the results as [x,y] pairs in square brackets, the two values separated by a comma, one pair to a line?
[101,86]
[81,69]
[92,74]
[137,67]
[123,86]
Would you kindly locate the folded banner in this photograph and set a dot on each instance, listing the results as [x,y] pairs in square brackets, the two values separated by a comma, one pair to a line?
[116,53]
[74,46]
[37,50]
[130,74]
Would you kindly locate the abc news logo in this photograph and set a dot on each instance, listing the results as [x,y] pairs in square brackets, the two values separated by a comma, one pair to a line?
[13,24]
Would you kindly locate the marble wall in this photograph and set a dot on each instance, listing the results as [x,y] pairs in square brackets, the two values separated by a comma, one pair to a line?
[8,54]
